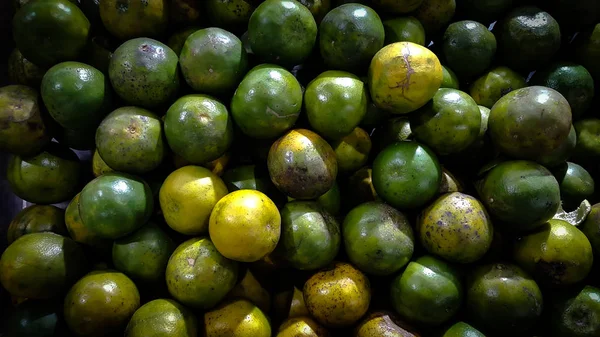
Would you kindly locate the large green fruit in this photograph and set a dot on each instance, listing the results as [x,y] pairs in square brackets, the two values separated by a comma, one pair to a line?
[267,102]
[144,72]
[574,312]
[523,195]
[406,175]
[494,84]
[41,265]
[178,38]
[310,236]
[282,31]
[576,184]
[198,128]
[352,151]
[134,18]
[350,35]
[462,329]
[449,123]
[456,227]
[469,48]
[378,238]
[502,298]
[77,95]
[530,123]
[48,32]
[23,130]
[49,177]
[335,103]
[428,291]
[162,317]
[130,139]
[115,204]
[562,153]
[36,219]
[213,60]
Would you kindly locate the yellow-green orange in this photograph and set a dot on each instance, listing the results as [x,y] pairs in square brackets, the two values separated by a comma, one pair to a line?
[383,323]
[494,84]
[79,232]
[134,18]
[301,327]
[36,219]
[468,47]
[407,29]
[99,166]
[352,151]
[162,317]
[236,318]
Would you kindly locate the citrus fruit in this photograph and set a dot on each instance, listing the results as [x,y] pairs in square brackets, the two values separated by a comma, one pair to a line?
[232,15]
[428,291]
[449,123]
[184,12]
[331,200]
[407,29]
[130,139]
[245,225]
[251,177]
[576,184]
[449,79]
[267,102]
[435,14]
[187,198]
[198,275]
[49,177]
[198,128]
[99,166]
[382,323]
[530,123]
[49,32]
[236,318]
[335,103]
[100,303]
[503,298]
[456,227]
[36,219]
[394,130]
[282,31]
[469,47]
[301,327]
[310,236]
[41,265]
[338,295]
[352,151]
[143,254]
[588,50]
[349,36]
[406,175]
[213,60]
[494,84]
[523,195]
[134,18]
[563,152]
[403,76]
[162,317]
[177,39]
[115,204]
[144,72]
[574,312]
[251,289]
[588,140]
[79,232]
[24,130]
[591,227]
[378,239]
[76,95]
[22,71]
[318,8]
[462,329]
[302,165]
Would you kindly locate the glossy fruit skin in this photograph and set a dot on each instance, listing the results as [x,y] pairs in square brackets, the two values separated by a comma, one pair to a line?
[144,72]
[198,128]
[462,329]
[335,103]
[81,233]
[557,254]
[576,184]
[99,166]
[383,323]
[22,71]
[41,265]
[143,254]
[213,60]
[449,123]
[100,303]
[187,198]
[303,326]
[490,87]
[469,47]
[310,236]
[52,176]
[36,319]
[77,95]
[588,140]
[198,275]
[309,172]
[36,219]
[391,72]
[349,36]
[521,194]
[456,227]
[130,139]
[162,317]
[591,227]
[245,226]
[518,127]
[135,18]
[502,297]
[282,32]
[115,204]
[428,291]
[449,79]
[267,102]
[575,312]
[236,318]
[435,14]
[411,160]
[378,239]
[529,37]
[49,32]
[338,295]
[573,81]
[407,29]
[23,131]
[352,151]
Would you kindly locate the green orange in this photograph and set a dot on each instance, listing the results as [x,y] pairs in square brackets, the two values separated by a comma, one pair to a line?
[36,219]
